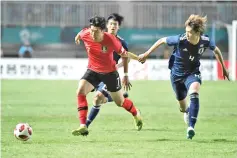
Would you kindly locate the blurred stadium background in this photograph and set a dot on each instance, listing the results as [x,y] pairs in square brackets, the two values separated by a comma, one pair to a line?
[49,28]
[52,26]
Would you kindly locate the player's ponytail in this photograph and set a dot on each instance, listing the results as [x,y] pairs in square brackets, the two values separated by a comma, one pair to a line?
[197,23]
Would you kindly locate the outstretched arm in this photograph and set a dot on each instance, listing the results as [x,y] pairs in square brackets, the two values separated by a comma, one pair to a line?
[144,56]
[219,57]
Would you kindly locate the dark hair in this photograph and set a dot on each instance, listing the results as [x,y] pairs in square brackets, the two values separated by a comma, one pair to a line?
[98,21]
[116,17]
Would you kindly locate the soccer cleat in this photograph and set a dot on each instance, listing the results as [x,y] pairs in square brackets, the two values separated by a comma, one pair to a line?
[82,130]
[186,118]
[138,120]
[190,133]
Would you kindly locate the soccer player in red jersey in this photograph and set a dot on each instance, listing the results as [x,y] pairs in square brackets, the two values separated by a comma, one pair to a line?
[102,96]
[100,46]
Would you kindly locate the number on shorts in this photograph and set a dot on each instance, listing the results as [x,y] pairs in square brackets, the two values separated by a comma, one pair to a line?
[118,85]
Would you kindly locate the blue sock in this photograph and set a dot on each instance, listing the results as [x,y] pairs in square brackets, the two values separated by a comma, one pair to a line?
[109,98]
[93,113]
[193,109]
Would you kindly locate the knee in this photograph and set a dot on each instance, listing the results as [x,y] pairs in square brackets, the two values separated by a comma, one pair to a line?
[80,91]
[120,102]
[194,88]
[98,99]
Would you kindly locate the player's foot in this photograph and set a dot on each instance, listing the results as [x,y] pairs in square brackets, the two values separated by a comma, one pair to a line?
[138,120]
[190,133]
[186,118]
[82,130]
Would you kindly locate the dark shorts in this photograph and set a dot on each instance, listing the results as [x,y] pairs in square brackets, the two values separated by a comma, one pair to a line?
[181,85]
[112,79]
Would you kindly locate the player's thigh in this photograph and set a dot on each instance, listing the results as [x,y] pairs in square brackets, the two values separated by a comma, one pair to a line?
[118,97]
[84,87]
[179,89]
[88,82]
[193,83]
[112,81]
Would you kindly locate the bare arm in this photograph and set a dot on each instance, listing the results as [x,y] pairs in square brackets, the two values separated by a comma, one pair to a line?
[142,57]
[126,82]
[156,45]
[219,57]
[121,64]
[77,38]
[125,66]
[126,54]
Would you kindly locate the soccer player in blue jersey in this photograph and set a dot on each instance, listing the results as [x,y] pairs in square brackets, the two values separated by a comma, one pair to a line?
[184,65]
[102,96]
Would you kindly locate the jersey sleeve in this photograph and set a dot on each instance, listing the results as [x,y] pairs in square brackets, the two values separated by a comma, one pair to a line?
[125,45]
[119,49]
[212,45]
[172,40]
[82,33]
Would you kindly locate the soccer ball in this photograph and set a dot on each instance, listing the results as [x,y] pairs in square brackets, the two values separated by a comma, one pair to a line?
[23,131]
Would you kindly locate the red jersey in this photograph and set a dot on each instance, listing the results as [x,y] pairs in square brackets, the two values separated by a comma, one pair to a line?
[100,54]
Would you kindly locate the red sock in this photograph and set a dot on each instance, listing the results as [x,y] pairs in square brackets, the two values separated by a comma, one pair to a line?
[82,108]
[128,105]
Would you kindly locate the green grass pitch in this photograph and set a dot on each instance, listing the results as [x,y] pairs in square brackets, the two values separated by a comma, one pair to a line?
[50,108]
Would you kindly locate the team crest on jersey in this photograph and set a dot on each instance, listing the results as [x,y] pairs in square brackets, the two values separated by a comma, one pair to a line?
[104,49]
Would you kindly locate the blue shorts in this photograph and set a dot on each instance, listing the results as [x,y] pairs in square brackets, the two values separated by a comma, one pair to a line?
[103,89]
[181,85]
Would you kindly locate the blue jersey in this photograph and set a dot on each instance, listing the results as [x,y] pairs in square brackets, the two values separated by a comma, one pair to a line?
[23,49]
[185,59]
[125,46]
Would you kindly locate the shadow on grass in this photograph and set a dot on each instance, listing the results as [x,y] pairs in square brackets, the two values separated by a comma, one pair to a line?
[134,130]
[216,141]
[166,140]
